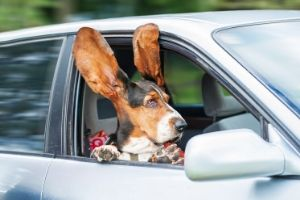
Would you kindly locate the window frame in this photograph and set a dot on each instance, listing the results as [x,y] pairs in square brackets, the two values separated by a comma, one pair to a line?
[59,107]
[31,40]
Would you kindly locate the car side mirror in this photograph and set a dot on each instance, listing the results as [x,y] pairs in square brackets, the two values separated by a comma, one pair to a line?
[231,154]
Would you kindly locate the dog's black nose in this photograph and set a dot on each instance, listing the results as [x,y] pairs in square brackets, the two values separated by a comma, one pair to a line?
[180,125]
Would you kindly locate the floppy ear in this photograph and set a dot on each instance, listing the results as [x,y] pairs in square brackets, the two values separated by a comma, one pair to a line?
[97,64]
[146,53]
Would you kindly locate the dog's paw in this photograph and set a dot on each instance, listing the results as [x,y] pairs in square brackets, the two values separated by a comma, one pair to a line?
[105,153]
[171,154]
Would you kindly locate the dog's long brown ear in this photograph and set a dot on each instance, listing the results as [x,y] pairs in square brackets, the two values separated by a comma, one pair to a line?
[97,64]
[146,53]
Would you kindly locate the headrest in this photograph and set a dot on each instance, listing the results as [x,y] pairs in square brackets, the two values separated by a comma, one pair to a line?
[216,104]
[99,113]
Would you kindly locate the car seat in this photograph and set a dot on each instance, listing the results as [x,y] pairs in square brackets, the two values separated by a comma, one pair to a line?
[99,113]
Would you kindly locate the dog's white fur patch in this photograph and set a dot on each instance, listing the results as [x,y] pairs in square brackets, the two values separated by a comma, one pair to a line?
[139,145]
[165,131]
[142,157]
[124,156]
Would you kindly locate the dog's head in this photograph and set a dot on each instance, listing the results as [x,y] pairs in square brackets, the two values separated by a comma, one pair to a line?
[142,107]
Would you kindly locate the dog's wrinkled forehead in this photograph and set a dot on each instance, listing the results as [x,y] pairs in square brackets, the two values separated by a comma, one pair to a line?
[137,91]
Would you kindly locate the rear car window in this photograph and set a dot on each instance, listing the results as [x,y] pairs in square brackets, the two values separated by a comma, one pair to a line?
[27,71]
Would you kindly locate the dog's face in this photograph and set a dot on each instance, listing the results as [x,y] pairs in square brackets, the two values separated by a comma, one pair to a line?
[142,106]
[150,111]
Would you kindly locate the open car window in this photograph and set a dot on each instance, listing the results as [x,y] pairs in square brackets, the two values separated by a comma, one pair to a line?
[197,96]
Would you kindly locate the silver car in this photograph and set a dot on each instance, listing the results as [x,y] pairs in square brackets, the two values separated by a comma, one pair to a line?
[233,76]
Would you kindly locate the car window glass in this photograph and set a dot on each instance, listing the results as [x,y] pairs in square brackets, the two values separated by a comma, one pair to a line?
[183,79]
[26,76]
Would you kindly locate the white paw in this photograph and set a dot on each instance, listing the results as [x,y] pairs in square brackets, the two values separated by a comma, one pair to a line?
[171,154]
[105,153]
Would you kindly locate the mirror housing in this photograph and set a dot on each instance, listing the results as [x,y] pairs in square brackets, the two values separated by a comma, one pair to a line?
[231,154]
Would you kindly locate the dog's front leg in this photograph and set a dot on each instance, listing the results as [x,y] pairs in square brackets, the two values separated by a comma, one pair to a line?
[106,153]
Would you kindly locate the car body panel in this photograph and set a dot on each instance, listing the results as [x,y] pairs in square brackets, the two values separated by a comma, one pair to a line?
[69,179]
[22,176]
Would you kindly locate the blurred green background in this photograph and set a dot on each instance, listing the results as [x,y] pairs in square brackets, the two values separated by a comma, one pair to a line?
[16,14]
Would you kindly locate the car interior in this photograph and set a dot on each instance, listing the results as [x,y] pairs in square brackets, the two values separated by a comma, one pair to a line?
[212,109]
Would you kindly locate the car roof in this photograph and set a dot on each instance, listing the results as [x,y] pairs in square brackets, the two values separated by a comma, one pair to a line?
[230,18]
[210,20]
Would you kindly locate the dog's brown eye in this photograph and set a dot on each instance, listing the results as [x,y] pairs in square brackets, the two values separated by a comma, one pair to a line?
[152,103]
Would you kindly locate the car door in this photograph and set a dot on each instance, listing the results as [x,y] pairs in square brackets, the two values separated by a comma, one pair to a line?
[73,175]
[27,70]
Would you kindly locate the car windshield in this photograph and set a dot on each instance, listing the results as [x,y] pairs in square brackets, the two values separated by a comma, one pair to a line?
[271,52]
